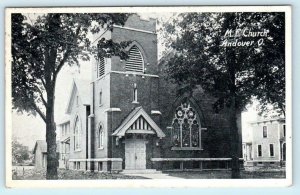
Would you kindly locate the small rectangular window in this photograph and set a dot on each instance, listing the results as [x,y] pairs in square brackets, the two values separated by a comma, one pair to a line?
[100,98]
[284,131]
[271,150]
[134,92]
[259,150]
[100,166]
[265,132]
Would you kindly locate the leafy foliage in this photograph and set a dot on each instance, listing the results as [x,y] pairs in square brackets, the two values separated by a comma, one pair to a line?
[232,73]
[253,71]
[42,48]
[52,41]
[20,153]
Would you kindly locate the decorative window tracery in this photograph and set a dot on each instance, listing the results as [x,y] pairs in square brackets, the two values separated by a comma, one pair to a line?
[186,131]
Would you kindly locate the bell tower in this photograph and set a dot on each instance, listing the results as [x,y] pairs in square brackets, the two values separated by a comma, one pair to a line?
[121,86]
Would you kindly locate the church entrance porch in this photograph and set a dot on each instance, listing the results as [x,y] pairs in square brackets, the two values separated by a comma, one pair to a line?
[136,130]
[135,153]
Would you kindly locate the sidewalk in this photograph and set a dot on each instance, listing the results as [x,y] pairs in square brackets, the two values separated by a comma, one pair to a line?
[153,175]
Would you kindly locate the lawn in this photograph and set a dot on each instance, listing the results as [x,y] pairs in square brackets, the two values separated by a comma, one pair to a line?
[226,174]
[32,174]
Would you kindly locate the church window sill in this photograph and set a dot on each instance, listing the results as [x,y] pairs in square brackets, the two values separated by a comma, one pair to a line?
[186,148]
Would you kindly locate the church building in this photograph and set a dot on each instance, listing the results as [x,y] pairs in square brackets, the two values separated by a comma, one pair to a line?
[128,116]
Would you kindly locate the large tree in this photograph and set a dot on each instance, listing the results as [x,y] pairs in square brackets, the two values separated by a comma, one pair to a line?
[207,53]
[40,48]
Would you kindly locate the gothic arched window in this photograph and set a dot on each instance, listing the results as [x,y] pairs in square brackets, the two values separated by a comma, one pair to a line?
[135,62]
[186,130]
[100,136]
[77,134]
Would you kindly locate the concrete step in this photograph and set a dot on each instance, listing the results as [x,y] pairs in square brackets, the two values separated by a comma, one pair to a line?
[141,171]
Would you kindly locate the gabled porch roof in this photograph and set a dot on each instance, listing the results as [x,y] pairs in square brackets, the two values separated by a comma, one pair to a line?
[132,118]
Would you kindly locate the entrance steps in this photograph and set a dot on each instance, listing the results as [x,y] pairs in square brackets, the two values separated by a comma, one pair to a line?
[141,171]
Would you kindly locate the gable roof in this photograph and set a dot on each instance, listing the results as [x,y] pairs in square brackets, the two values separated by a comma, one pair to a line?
[83,91]
[132,117]
[63,120]
[42,144]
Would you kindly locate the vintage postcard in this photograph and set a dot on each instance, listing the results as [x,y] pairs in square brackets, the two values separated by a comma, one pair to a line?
[148,96]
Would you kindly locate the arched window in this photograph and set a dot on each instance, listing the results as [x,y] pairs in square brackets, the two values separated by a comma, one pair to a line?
[135,62]
[77,134]
[100,136]
[186,130]
[100,67]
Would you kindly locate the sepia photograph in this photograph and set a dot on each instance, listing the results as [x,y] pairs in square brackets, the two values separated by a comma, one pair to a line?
[148,96]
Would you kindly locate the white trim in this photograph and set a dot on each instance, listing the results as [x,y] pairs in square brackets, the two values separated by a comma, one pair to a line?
[96,160]
[126,73]
[155,112]
[141,112]
[91,116]
[134,29]
[112,110]
[142,131]
[264,160]
[134,73]
[186,148]
[192,159]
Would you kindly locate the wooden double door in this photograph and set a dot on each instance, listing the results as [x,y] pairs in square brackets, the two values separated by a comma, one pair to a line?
[135,154]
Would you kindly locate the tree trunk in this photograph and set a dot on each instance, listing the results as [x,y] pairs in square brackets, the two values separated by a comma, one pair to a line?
[52,161]
[234,134]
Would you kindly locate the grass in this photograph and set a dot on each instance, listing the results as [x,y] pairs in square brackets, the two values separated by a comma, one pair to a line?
[32,174]
[226,174]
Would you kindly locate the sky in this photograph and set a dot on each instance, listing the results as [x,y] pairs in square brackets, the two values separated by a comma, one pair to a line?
[27,129]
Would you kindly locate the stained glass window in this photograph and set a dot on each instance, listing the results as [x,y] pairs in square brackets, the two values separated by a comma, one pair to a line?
[186,127]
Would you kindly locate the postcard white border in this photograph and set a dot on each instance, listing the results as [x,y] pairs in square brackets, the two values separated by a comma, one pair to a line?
[157,183]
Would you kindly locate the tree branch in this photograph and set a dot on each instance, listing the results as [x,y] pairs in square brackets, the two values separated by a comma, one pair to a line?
[41,96]
[62,62]
[38,110]
[44,83]
[67,53]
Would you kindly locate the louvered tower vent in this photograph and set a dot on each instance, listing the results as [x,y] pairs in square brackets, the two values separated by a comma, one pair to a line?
[101,67]
[135,63]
